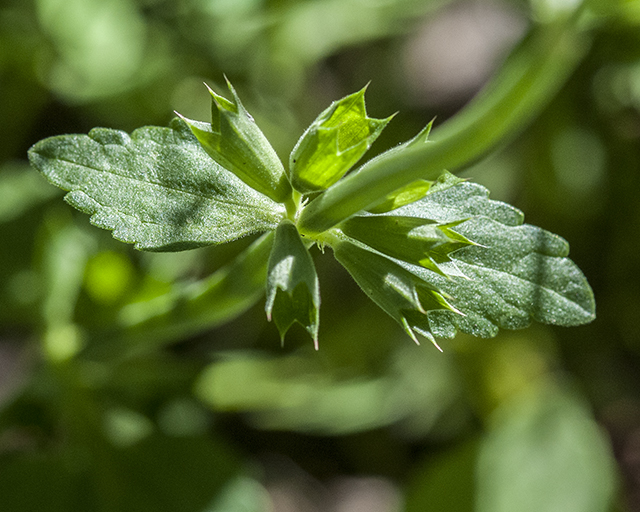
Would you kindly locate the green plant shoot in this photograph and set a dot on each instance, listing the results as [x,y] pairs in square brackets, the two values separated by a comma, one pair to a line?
[437,255]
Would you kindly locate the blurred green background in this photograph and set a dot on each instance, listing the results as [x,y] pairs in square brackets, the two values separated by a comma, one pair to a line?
[227,420]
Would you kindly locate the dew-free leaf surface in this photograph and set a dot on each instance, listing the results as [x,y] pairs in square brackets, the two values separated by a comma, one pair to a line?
[157,188]
[293,291]
[515,272]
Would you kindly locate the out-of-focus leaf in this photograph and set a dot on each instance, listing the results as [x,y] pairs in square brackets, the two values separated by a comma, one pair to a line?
[156,188]
[514,273]
[544,452]
[310,31]
[80,30]
[333,143]
[108,276]
[293,291]
[234,141]
[195,307]
[67,250]
[242,495]
[21,189]
[299,393]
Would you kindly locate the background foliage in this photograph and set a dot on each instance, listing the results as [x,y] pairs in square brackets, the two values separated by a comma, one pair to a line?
[98,416]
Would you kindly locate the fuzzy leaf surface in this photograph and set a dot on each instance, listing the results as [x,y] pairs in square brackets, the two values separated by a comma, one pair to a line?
[156,188]
[515,272]
[293,290]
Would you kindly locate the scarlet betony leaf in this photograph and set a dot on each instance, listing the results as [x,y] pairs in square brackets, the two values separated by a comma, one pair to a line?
[333,143]
[436,254]
[293,291]
[510,274]
[156,188]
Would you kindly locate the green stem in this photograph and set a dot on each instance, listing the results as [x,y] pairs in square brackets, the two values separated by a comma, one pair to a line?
[292,204]
[528,80]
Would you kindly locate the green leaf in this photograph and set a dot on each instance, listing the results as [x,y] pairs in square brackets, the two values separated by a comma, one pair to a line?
[518,274]
[544,451]
[193,308]
[234,141]
[529,78]
[412,239]
[242,494]
[402,294]
[514,273]
[20,190]
[304,393]
[403,196]
[156,188]
[461,202]
[333,143]
[293,291]
[488,269]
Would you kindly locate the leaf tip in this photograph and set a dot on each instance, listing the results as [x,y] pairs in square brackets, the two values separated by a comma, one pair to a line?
[409,330]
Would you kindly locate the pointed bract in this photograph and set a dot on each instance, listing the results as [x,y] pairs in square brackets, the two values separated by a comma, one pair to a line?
[419,241]
[401,294]
[333,143]
[293,291]
[234,141]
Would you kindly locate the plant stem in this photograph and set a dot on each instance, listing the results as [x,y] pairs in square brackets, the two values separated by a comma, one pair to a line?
[528,80]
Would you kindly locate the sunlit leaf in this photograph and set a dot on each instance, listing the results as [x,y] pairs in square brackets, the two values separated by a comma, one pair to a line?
[402,294]
[416,190]
[156,188]
[419,241]
[333,143]
[234,141]
[513,273]
[293,291]
[406,195]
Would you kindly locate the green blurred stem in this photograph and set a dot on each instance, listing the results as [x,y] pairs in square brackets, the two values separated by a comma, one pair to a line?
[526,83]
